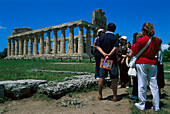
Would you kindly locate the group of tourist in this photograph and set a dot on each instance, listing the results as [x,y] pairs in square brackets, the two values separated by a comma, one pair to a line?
[109,47]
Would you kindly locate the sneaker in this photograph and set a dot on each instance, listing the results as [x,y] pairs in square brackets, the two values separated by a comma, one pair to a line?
[127,87]
[153,108]
[97,78]
[139,106]
[119,86]
[133,97]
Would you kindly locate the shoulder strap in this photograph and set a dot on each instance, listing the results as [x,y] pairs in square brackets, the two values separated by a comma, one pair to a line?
[141,51]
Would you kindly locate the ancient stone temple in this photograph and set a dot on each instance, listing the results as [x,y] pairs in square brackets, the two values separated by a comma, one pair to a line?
[46,43]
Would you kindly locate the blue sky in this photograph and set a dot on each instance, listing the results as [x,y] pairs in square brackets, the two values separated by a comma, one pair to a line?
[128,15]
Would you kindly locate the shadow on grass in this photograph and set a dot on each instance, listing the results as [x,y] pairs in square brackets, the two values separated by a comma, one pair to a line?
[149,104]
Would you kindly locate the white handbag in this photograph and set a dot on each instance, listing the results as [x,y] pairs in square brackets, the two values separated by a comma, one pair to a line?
[132,72]
[132,69]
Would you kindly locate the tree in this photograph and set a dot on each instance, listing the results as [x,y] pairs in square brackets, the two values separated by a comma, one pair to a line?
[169,46]
[3,54]
[166,55]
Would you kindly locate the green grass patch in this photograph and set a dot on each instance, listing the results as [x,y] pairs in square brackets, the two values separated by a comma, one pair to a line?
[21,69]
[164,104]
[167,66]
[167,76]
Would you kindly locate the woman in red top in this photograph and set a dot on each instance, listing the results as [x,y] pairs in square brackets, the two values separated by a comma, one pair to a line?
[146,66]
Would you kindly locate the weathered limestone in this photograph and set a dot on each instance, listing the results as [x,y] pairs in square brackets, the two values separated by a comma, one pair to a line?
[88,41]
[94,34]
[13,47]
[30,46]
[35,44]
[21,88]
[9,47]
[25,46]
[41,43]
[48,43]
[56,90]
[62,43]
[16,47]
[75,46]
[55,41]
[21,47]
[71,39]
[81,40]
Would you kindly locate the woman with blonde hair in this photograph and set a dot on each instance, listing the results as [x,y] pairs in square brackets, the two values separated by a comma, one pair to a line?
[146,66]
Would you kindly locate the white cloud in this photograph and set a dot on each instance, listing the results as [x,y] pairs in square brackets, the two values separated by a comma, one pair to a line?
[1,27]
[164,47]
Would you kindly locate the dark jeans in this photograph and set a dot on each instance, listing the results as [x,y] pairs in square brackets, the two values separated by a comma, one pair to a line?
[135,87]
[125,80]
[97,68]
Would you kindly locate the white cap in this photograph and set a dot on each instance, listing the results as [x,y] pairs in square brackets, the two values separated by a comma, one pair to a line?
[99,31]
[123,37]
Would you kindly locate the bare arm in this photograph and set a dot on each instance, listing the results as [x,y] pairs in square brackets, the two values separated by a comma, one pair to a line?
[100,50]
[131,53]
[94,45]
[113,51]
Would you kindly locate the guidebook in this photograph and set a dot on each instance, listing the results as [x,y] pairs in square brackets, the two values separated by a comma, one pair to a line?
[106,64]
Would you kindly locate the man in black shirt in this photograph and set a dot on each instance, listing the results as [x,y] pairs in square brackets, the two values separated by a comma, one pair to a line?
[107,46]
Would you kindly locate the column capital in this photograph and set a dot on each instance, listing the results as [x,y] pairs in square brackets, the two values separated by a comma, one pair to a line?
[87,27]
[63,28]
[72,26]
[81,25]
[56,29]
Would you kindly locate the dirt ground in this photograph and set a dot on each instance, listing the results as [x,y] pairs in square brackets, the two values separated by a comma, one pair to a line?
[91,106]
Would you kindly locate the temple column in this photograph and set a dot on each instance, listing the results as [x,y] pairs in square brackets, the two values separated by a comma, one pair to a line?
[81,40]
[71,40]
[21,47]
[48,43]
[58,46]
[25,45]
[16,47]
[62,43]
[68,47]
[9,47]
[35,45]
[55,41]
[13,47]
[75,45]
[30,46]
[94,33]
[45,47]
[88,41]
[41,43]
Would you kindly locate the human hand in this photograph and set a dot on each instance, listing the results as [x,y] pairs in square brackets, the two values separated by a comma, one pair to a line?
[107,57]
[122,61]
[124,56]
